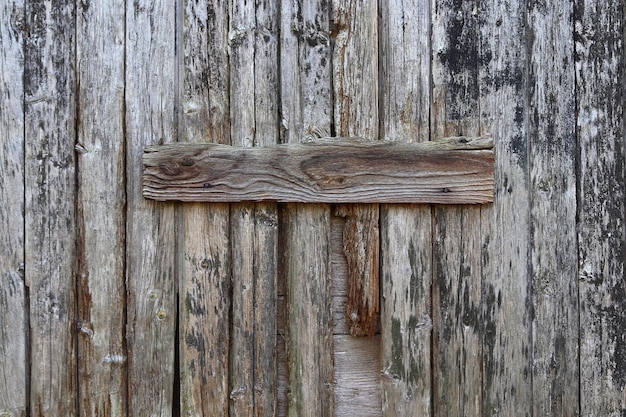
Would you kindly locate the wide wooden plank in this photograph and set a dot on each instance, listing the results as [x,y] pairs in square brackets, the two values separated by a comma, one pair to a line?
[406,230]
[101,210]
[552,189]
[506,310]
[50,232]
[253,39]
[306,112]
[13,301]
[600,61]
[457,170]
[205,253]
[150,262]
[457,350]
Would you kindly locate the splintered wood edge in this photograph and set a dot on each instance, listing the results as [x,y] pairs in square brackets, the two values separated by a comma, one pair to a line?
[457,170]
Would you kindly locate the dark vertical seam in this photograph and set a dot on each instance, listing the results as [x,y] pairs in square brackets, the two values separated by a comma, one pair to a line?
[432,215]
[125,285]
[79,242]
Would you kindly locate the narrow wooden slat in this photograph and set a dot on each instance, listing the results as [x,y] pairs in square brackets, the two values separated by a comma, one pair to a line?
[50,248]
[101,209]
[326,171]
[253,40]
[405,230]
[553,255]
[204,282]
[306,112]
[13,301]
[600,81]
[504,253]
[150,268]
[356,88]
[457,347]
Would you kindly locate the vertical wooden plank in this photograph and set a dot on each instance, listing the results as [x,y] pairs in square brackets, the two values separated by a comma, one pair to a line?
[355,83]
[13,301]
[151,66]
[205,288]
[406,242]
[306,111]
[253,48]
[457,348]
[506,306]
[101,209]
[552,153]
[50,205]
[599,52]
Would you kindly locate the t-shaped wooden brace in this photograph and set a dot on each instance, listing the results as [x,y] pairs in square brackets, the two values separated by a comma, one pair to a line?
[457,170]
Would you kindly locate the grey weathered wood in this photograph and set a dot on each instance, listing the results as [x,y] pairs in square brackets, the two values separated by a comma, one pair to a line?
[306,112]
[455,170]
[100,216]
[599,52]
[355,83]
[553,254]
[254,122]
[50,232]
[406,242]
[506,311]
[150,262]
[205,253]
[13,301]
[456,230]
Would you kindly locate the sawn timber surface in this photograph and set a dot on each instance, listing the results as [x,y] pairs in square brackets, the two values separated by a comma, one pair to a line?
[446,171]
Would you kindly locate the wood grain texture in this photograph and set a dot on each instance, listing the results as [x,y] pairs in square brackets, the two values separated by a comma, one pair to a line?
[599,52]
[457,347]
[205,252]
[458,170]
[50,232]
[506,308]
[151,262]
[100,213]
[253,40]
[13,301]
[356,88]
[553,256]
[406,241]
[306,112]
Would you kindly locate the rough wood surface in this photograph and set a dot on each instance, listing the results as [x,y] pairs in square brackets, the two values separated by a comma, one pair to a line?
[150,260]
[13,301]
[356,88]
[100,217]
[254,122]
[600,60]
[457,349]
[306,112]
[454,170]
[50,230]
[405,230]
[506,309]
[553,255]
[205,252]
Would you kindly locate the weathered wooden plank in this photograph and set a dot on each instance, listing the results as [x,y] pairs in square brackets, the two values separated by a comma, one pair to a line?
[553,254]
[204,282]
[101,209]
[507,311]
[13,301]
[599,52]
[50,233]
[457,348]
[406,242]
[306,112]
[150,262]
[253,39]
[323,171]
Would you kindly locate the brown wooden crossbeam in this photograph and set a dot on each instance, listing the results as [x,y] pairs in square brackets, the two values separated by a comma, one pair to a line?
[332,170]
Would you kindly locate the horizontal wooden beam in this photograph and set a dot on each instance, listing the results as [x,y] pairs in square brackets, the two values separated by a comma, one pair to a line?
[331,170]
